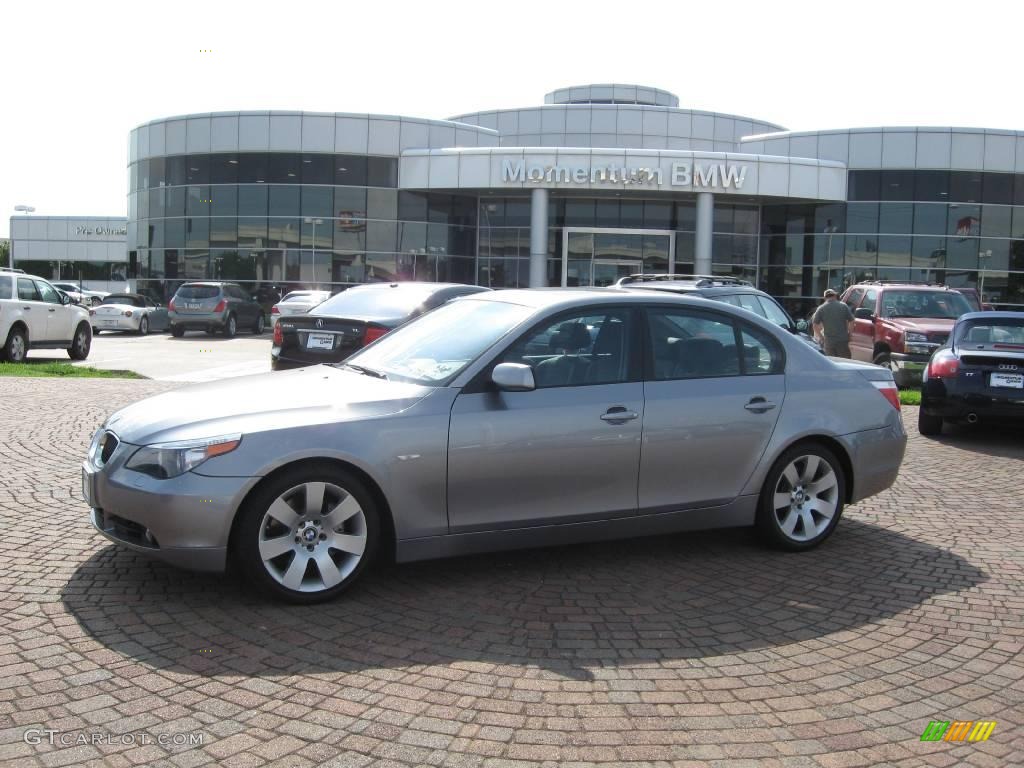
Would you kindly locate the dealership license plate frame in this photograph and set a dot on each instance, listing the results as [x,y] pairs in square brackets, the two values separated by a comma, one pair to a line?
[322,341]
[1007,380]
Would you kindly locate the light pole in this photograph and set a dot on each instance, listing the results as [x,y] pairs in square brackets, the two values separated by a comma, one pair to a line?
[983,256]
[314,222]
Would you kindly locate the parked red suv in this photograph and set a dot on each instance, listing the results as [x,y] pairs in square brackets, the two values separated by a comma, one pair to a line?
[899,325]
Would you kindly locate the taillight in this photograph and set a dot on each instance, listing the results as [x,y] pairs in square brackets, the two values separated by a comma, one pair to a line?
[127,313]
[372,333]
[889,391]
[274,310]
[944,365]
[278,335]
[221,305]
[170,305]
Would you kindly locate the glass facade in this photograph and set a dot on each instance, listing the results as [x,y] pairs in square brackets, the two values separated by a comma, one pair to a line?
[961,228]
[277,221]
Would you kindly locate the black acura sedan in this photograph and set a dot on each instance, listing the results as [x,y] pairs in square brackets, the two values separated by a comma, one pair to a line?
[350,320]
[977,375]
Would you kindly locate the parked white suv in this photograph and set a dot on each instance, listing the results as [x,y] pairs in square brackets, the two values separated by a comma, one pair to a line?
[35,315]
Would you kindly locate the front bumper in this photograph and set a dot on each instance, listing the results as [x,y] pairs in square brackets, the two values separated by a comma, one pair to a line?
[185,521]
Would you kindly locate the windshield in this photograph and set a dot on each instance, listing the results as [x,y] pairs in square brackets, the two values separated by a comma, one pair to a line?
[376,303]
[436,347]
[187,292]
[933,304]
[120,298]
[991,334]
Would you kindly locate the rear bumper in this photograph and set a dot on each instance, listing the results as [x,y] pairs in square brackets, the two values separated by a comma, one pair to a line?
[121,323]
[204,320]
[876,456]
[963,407]
[292,358]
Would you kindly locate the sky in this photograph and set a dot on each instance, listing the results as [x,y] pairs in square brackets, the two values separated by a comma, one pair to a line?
[77,77]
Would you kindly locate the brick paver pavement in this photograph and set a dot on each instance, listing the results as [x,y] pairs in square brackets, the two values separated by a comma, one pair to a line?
[699,649]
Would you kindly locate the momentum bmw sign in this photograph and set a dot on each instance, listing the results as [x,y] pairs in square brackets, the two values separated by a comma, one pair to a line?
[683,174]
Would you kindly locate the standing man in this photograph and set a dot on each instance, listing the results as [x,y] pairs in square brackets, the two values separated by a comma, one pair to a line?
[833,321]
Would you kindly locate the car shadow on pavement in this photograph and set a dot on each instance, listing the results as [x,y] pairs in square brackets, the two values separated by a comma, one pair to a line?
[566,610]
[1003,441]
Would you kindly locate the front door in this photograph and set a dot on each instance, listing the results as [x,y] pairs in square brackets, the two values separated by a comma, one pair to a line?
[568,450]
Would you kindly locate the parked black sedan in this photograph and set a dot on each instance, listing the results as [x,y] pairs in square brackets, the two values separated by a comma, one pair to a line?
[977,375]
[350,320]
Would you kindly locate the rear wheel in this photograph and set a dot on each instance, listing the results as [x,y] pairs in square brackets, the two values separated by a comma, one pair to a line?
[16,347]
[144,326]
[308,534]
[230,327]
[260,324]
[802,498]
[928,425]
[81,344]
[177,331]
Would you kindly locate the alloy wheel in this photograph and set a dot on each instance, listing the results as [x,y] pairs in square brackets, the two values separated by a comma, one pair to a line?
[806,498]
[312,537]
[82,343]
[16,350]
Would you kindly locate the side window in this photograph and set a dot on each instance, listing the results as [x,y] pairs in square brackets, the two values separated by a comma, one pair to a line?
[48,292]
[750,302]
[775,313]
[27,290]
[5,287]
[871,301]
[854,298]
[577,350]
[687,345]
[734,300]
[761,353]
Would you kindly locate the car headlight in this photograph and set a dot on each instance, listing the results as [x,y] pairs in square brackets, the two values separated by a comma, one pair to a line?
[917,338]
[166,460]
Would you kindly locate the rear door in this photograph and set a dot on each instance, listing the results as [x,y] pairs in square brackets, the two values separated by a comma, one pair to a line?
[713,390]
[34,311]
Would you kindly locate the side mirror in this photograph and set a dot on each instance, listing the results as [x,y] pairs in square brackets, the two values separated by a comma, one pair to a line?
[863,314]
[513,377]
[802,326]
[64,298]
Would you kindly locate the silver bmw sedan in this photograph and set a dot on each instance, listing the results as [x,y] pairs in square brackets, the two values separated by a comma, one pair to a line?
[517,418]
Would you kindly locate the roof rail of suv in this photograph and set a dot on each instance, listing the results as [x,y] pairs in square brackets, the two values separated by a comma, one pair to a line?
[701,281]
[12,269]
[902,282]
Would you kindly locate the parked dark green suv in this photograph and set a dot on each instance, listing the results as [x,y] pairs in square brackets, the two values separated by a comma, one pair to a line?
[214,307]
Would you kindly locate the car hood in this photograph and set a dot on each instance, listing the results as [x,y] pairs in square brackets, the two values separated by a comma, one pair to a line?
[266,401]
[922,324]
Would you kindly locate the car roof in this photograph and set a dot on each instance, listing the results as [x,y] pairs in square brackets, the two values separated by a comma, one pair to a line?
[905,286]
[543,298]
[414,284]
[709,290]
[1002,314]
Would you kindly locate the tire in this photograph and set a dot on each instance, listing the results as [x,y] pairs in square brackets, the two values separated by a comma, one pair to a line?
[95,331]
[809,515]
[260,324]
[144,326]
[230,327]
[177,331]
[928,425]
[15,349]
[82,343]
[269,540]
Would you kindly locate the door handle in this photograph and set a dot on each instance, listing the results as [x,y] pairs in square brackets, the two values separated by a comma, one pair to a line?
[27,309]
[618,414]
[759,405]
[52,309]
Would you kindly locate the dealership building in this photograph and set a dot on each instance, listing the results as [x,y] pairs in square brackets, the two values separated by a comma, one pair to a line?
[599,182]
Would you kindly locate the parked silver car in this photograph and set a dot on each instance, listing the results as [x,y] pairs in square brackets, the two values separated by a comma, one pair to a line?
[128,312]
[506,419]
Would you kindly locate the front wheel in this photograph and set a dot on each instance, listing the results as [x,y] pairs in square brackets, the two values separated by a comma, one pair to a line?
[802,498]
[307,535]
[81,344]
[928,425]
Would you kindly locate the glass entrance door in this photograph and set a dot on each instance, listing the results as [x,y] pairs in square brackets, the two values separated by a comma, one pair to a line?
[599,257]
